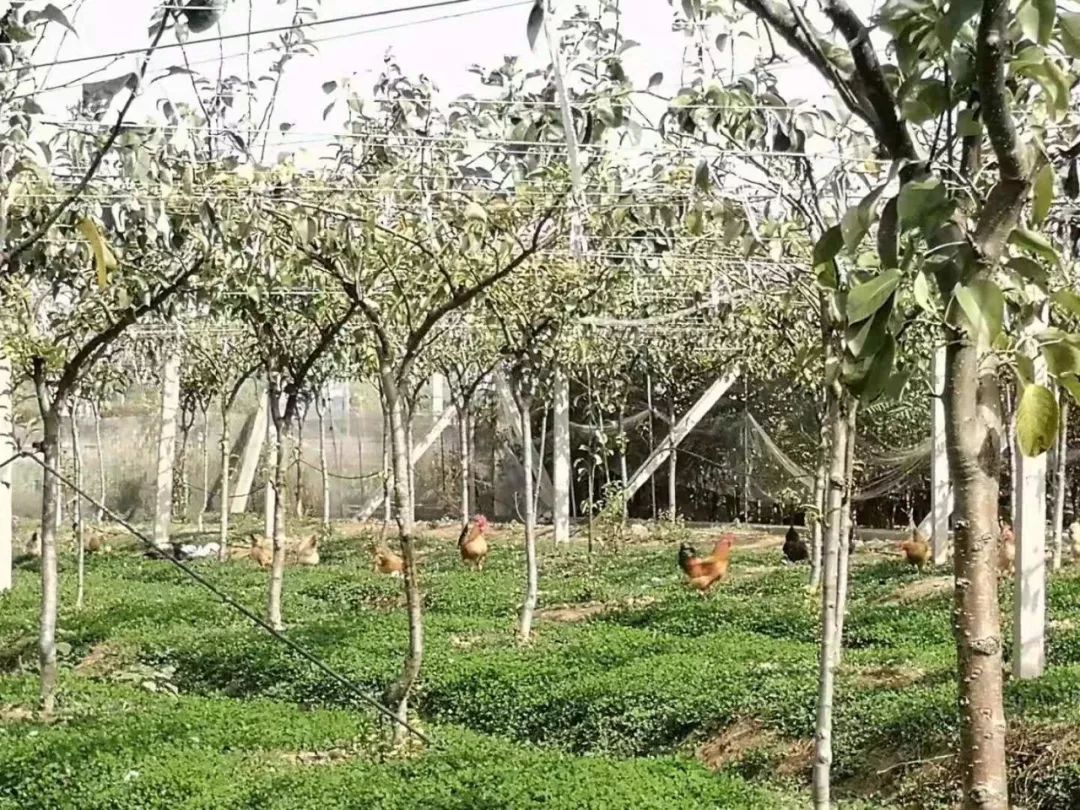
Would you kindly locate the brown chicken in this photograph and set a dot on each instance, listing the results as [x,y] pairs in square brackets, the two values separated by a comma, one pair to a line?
[307,550]
[1006,549]
[916,550]
[703,573]
[262,555]
[387,562]
[473,544]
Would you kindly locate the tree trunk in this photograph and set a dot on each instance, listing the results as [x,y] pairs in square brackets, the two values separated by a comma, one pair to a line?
[398,693]
[166,449]
[277,567]
[474,497]
[102,485]
[624,473]
[817,529]
[831,565]
[181,476]
[50,502]
[223,501]
[463,440]
[672,471]
[528,606]
[273,447]
[204,501]
[973,420]
[1010,441]
[298,461]
[1059,479]
[7,450]
[539,476]
[846,517]
[410,504]
[652,441]
[80,529]
[387,441]
[324,473]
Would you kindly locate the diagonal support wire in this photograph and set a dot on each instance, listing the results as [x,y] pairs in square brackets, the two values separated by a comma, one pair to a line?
[299,649]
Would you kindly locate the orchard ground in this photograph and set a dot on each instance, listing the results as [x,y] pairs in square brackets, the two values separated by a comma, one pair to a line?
[635,694]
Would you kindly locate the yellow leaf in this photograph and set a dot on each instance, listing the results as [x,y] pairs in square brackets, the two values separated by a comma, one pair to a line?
[104,260]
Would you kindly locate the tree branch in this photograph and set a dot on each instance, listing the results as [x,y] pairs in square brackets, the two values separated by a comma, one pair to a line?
[1006,199]
[114,133]
[891,130]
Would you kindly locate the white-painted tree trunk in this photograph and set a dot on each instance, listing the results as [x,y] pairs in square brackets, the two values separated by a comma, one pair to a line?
[843,569]
[672,477]
[277,529]
[80,528]
[7,450]
[166,448]
[204,499]
[561,459]
[1060,480]
[50,502]
[387,469]
[466,460]
[324,471]
[941,503]
[1029,606]
[540,461]
[528,605]
[273,447]
[817,529]
[823,751]
[224,499]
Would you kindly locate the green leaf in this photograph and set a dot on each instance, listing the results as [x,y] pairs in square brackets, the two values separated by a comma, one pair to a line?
[1036,19]
[960,11]
[919,201]
[967,125]
[329,87]
[880,371]
[1042,194]
[695,221]
[1072,385]
[925,101]
[866,338]
[1030,269]
[827,276]
[858,219]
[1036,420]
[55,15]
[1061,358]
[1034,243]
[655,80]
[830,244]
[984,308]
[1070,34]
[104,259]
[536,21]
[1068,300]
[923,296]
[867,298]
[1025,369]
[887,236]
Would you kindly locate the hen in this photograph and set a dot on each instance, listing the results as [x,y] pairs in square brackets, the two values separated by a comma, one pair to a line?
[794,546]
[307,550]
[472,544]
[916,549]
[387,562]
[262,555]
[703,573]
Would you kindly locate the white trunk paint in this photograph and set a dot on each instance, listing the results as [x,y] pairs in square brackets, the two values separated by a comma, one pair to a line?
[940,484]
[679,431]
[438,394]
[166,450]
[445,418]
[7,450]
[1029,611]
[249,461]
[561,459]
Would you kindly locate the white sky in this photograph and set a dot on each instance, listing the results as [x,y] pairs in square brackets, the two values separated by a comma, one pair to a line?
[441,43]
